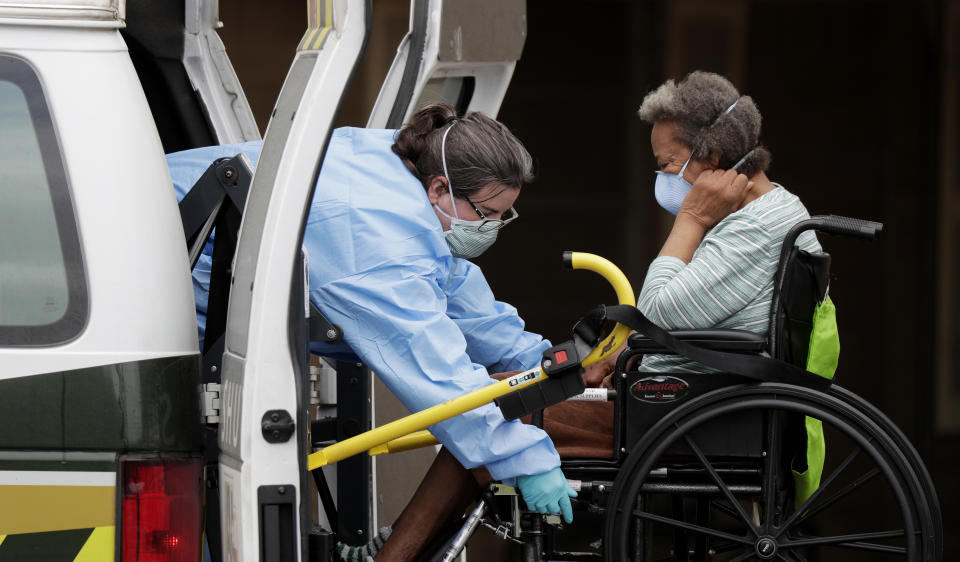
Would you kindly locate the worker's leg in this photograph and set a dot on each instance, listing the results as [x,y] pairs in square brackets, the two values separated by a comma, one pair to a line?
[445,493]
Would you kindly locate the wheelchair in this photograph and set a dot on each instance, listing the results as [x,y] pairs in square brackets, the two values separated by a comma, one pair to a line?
[704,465]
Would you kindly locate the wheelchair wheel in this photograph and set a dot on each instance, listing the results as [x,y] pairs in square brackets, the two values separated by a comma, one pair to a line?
[673,501]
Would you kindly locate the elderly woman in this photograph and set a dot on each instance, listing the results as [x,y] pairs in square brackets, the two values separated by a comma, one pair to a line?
[713,271]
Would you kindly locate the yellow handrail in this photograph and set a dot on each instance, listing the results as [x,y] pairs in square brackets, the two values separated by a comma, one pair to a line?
[613,275]
[407,433]
[406,443]
[423,419]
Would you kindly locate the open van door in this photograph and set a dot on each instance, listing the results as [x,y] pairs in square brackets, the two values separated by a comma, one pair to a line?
[212,76]
[456,51]
[265,509]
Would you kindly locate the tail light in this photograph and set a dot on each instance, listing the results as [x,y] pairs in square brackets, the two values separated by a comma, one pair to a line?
[161,511]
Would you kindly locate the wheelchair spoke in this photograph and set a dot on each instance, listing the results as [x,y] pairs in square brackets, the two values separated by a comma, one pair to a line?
[852,541]
[816,493]
[770,461]
[691,527]
[838,496]
[720,484]
[874,547]
[725,509]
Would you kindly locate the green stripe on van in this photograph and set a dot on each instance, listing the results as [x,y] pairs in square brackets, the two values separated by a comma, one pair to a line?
[55,546]
[146,405]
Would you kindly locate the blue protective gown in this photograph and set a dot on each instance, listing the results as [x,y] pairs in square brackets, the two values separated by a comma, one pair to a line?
[424,321]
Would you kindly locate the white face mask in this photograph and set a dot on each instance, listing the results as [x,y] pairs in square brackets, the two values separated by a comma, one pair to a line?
[465,238]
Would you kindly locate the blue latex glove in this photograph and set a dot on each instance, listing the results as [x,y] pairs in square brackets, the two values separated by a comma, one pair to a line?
[548,492]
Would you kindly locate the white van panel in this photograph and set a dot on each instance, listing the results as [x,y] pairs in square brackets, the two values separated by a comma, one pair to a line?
[140,293]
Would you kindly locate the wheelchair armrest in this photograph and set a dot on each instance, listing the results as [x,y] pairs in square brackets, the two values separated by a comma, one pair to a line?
[739,341]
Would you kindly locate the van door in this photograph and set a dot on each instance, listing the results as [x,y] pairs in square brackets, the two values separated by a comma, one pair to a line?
[265,505]
[212,76]
[457,51]
[193,91]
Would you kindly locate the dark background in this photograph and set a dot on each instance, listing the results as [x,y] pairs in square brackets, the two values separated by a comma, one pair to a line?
[860,103]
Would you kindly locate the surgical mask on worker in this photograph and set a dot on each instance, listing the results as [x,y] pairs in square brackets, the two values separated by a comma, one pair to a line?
[671,189]
[464,238]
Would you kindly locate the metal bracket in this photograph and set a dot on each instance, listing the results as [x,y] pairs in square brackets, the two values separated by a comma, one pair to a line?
[323,385]
[211,402]
[322,329]
[504,531]
[277,426]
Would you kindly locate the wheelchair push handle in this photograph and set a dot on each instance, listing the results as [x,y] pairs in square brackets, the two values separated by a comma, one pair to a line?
[833,224]
[847,226]
[829,224]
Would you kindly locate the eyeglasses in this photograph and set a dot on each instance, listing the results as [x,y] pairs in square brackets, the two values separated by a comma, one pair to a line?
[487,225]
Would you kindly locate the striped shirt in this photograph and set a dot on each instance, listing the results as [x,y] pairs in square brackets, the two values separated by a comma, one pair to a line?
[729,282]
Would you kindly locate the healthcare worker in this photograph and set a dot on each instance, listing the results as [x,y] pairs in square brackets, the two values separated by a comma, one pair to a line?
[393,221]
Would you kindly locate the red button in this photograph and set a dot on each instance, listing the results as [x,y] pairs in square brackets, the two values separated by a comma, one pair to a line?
[560,357]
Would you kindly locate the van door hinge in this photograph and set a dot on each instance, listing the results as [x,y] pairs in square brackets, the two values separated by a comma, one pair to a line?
[211,402]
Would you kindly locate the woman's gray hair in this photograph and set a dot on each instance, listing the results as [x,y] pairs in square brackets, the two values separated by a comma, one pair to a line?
[699,104]
[479,150]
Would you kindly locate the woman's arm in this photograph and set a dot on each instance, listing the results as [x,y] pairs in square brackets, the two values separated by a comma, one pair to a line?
[731,268]
[714,195]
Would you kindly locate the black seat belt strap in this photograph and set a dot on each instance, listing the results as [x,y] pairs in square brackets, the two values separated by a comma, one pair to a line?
[757,367]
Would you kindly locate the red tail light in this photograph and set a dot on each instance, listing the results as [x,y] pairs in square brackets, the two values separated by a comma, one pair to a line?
[162,502]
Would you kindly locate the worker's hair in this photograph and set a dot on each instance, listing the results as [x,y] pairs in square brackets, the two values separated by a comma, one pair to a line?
[479,150]
[698,105]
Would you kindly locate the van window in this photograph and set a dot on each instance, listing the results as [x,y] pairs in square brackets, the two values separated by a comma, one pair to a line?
[43,297]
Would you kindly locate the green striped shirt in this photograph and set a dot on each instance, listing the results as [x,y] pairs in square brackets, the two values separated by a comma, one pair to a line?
[729,282]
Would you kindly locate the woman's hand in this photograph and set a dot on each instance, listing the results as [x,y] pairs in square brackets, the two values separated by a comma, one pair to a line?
[715,194]
[594,374]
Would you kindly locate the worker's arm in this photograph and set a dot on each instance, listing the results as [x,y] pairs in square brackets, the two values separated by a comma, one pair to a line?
[493,330]
[395,321]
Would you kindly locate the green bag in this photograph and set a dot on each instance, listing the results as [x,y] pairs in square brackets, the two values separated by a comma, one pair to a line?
[822,357]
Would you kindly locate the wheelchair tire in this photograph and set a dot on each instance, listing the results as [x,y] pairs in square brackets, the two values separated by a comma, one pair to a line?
[743,508]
